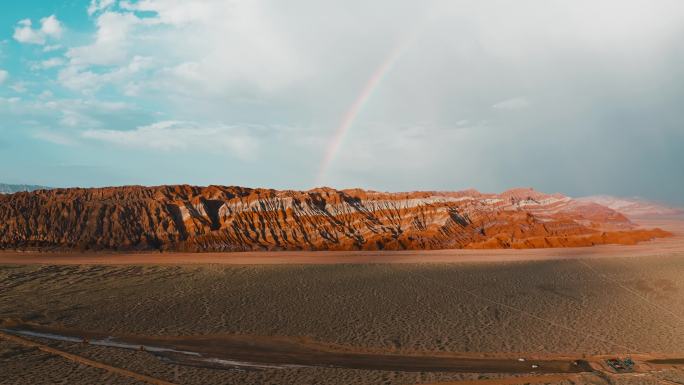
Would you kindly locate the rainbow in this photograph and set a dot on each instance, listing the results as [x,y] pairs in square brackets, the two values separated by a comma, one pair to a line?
[356,107]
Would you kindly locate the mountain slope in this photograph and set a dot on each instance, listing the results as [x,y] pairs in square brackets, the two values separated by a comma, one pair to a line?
[633,207]
[218,218]
[13,188]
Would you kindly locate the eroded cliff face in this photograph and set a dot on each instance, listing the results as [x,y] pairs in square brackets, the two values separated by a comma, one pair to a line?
[216,218]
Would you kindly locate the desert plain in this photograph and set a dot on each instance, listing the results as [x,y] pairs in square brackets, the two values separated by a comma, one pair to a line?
[347,318]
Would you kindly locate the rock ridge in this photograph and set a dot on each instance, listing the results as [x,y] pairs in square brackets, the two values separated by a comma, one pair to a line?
[233,218]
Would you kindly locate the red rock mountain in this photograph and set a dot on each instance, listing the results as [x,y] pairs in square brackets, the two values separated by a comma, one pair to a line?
[216,218]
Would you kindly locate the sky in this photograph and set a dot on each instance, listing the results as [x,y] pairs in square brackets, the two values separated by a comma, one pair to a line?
[581,97]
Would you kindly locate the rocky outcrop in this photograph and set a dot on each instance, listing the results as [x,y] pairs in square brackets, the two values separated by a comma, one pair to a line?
[217,218]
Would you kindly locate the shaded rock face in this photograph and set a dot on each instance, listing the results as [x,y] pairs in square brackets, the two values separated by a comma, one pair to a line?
[216,218]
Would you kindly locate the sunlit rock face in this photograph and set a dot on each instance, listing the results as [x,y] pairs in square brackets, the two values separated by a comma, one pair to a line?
[218,218]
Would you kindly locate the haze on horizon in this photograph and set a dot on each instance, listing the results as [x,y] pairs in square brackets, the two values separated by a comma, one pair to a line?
[578,97]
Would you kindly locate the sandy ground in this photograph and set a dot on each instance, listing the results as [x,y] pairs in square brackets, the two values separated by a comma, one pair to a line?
[581,301]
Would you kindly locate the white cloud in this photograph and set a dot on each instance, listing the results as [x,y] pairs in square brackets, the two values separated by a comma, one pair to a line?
[99,6]
[52,62]
[512,104]
[54,137]
[19,87]
[179,12]
[79,78]
[50,27]
[23,33]
[112,41]
[70,117]
[199,48]
[182,136]
[52,48]
[3,76]
[74,78]
[48,63]
[76,119]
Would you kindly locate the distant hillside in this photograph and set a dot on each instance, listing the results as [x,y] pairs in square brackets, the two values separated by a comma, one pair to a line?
[633,207]
[13,188]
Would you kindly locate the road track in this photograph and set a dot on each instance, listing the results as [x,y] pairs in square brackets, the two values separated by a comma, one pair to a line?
[82,360]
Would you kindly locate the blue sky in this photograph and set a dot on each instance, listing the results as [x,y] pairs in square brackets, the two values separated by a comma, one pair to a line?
[575,97]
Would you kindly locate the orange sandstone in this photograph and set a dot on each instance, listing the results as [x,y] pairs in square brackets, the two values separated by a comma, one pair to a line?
[218,218]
